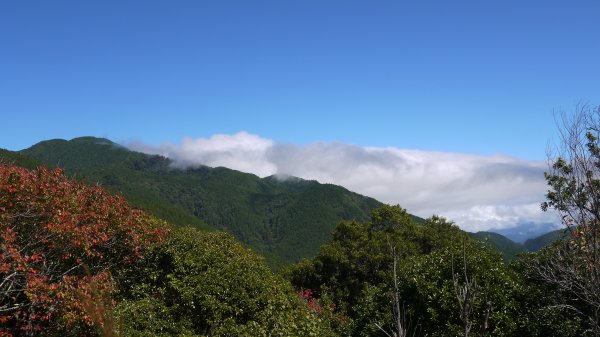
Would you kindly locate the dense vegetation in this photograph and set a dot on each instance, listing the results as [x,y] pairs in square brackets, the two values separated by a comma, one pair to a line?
[355,271]
[208,284]
[435,280]
[61,247]
[77,260]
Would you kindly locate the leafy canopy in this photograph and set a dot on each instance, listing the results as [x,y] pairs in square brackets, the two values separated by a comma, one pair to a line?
[354,271]
[208,284]
[61,244]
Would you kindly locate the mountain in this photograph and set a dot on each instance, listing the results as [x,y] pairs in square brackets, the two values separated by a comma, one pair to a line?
[523,231]
[508,248]
[535,244]
[285,219]
[10,157]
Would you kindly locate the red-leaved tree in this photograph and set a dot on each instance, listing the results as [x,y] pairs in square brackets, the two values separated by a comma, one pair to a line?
[61,244]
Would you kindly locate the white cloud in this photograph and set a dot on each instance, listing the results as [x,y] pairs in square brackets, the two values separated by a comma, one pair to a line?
[242,152]
[478,192]
[517,217]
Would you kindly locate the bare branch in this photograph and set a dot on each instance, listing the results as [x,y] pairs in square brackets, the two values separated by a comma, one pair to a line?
[574,191]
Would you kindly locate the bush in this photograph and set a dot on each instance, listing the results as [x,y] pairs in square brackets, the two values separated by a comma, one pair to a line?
[61,245]
[207,283]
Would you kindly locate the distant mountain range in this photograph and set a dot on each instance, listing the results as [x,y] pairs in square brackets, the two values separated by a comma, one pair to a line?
[525,231]
[284,219]
[511,249]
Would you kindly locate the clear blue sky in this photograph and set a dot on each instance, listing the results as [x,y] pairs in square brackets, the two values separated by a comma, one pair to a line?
[479,77]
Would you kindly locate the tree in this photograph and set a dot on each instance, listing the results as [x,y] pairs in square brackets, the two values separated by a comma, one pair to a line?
[466,293]
[462,290]
[356,270]
[62,244]
[574,192]
[353,269]
[399,325]
[545,310]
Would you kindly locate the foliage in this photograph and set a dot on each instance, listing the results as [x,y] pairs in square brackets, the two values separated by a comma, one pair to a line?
[61,245]
[431,293]
[75,260]
[357,254]
[355,270]
[206,283]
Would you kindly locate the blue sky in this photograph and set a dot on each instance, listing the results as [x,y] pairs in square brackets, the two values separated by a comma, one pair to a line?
[445,107]
[478,77]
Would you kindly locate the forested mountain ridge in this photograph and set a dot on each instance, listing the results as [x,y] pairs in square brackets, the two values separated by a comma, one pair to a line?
[283,219]
[537,243]
[19,159]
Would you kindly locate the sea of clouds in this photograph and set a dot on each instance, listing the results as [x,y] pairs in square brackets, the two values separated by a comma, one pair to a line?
[477,192]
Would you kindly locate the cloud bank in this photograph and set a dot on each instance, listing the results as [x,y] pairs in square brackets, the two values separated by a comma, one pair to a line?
[478,192]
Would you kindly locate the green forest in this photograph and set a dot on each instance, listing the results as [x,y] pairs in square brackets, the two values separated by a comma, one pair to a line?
[97,240]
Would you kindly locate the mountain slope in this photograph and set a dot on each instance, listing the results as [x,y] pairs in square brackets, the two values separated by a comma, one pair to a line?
[15,158]
[535,244]
[288,219]
[508,248]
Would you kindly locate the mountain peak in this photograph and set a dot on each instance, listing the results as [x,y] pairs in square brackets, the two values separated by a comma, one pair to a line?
[85,140]
[78,153]
[93,140]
